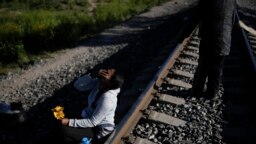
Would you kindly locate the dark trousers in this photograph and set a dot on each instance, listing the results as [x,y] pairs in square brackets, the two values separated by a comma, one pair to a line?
[210,66]
[74,135]
[60,134]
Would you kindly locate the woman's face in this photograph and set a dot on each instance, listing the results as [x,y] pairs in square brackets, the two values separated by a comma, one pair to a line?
[106,75]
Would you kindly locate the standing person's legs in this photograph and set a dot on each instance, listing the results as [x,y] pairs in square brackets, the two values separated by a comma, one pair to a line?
[201,70]
[214,78]
[200,77]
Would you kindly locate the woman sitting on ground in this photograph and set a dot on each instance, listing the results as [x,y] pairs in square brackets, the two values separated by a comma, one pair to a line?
[97,120]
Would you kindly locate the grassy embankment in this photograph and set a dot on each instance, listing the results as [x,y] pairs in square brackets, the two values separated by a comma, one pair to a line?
[29,29]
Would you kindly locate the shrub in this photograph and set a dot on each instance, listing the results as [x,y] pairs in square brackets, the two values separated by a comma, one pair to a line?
[13,52]
[39,30]
[11,47]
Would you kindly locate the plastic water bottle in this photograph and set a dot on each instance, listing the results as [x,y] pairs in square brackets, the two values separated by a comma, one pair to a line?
[86,140]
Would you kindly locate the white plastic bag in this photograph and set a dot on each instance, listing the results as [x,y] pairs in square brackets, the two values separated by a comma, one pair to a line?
[85,83]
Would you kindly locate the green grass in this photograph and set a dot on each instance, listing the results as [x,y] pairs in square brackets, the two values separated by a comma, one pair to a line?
[30,27]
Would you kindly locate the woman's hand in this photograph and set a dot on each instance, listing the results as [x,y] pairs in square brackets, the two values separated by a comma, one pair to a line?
[107,74]
[65,121]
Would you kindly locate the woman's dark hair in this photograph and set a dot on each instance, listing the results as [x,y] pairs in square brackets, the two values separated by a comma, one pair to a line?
[116,81]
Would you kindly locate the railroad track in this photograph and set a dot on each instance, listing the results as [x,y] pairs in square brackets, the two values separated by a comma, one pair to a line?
[252,43]
[165,112]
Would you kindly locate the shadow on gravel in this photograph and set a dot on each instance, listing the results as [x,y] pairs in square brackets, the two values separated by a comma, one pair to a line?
[141,48]
[136,29]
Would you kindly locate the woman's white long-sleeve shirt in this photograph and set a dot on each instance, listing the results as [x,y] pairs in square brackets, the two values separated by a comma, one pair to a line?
[104,112]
